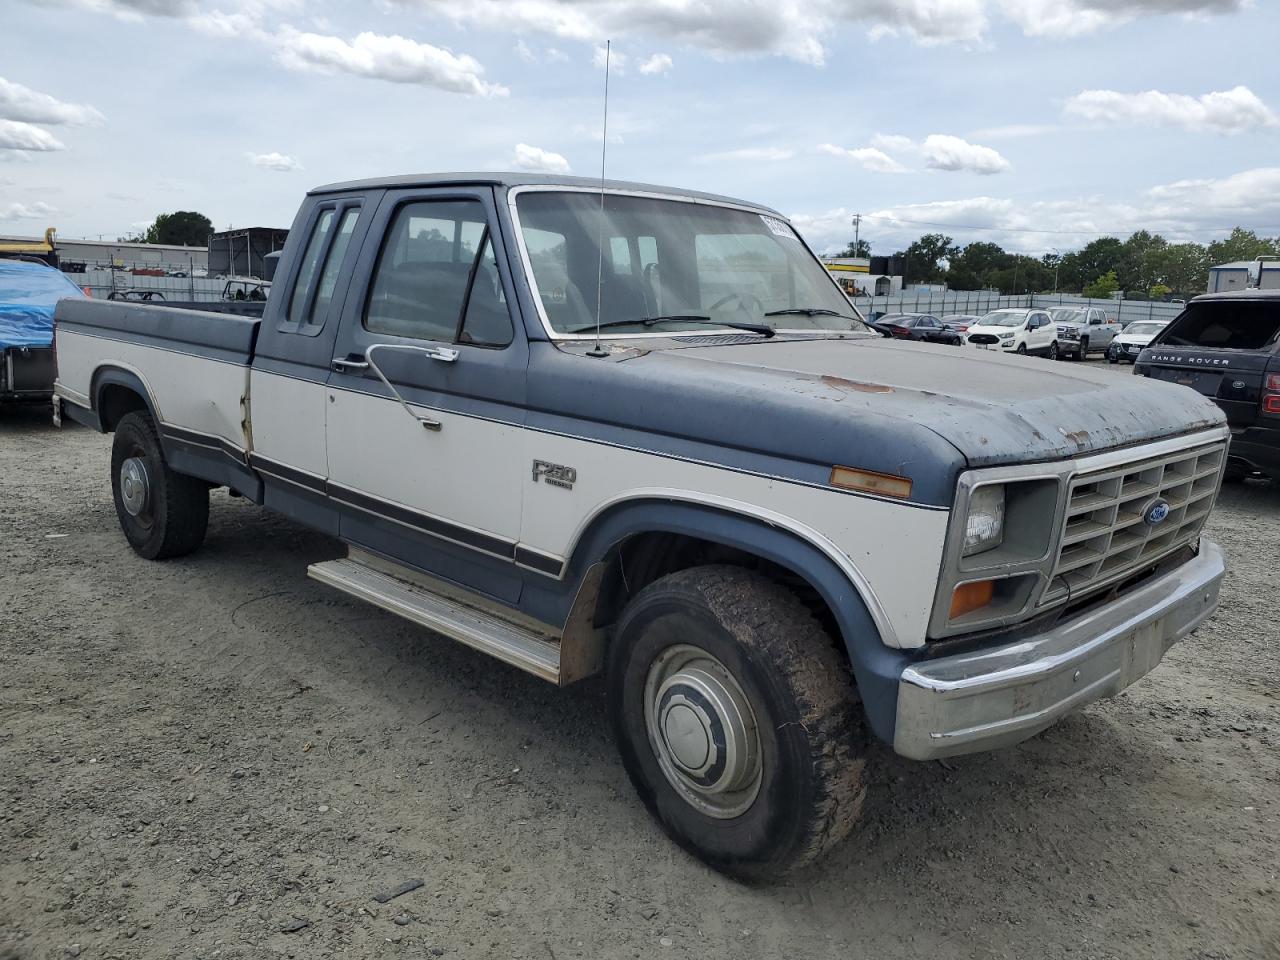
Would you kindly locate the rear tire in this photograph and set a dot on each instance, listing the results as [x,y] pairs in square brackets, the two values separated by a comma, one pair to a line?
[162,513]
[737,721]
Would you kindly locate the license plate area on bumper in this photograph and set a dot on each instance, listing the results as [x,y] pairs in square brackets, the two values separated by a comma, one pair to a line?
[993,698]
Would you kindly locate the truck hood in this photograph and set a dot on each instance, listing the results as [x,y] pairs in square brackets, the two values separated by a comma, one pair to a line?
[993,409]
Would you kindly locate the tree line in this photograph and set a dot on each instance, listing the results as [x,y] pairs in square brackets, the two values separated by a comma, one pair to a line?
[1145,266]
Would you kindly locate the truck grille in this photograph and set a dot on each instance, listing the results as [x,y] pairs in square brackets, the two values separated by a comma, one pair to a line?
[1106,535]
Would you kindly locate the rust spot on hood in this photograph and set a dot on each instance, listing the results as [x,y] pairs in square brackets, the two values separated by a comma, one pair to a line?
[1080,438]
[840,383]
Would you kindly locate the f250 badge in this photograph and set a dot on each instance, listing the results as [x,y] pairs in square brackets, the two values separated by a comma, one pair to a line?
[556,474]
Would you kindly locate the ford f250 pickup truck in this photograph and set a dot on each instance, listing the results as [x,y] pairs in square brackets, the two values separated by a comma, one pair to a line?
[638,430]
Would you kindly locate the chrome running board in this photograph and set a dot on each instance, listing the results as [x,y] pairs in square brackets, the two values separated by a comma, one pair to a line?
[511,643]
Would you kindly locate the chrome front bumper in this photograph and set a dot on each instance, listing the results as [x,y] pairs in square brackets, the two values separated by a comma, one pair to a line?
[993,698]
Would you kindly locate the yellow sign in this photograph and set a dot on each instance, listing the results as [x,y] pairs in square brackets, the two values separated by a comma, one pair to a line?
[847,268]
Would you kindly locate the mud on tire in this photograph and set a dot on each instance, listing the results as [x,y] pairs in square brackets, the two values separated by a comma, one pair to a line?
[811,735]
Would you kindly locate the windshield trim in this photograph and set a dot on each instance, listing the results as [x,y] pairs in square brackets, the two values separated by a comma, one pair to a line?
[513,193]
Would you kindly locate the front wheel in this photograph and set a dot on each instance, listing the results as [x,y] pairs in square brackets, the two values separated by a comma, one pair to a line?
[162,513]
[1053,351]
[1084,348]
[737,720]
[1022,349]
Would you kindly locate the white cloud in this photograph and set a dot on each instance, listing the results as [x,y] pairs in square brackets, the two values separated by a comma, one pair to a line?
[393,58]
[944,152]
[748,155]
[799,29]
[1181,211]
[37,210]
[939,151]
[1073,18]
[22,103]
[274,161]
[538,160]
[659,63]
[16,135]
[525,52]
[1225,111]
[871,158]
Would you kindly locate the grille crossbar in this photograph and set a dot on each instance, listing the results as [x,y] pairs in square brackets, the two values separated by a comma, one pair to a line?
[1106,536]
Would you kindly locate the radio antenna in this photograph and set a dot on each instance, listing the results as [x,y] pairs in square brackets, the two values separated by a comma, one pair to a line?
[597,350]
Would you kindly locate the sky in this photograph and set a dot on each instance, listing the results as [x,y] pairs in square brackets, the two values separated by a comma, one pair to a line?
[1037,125]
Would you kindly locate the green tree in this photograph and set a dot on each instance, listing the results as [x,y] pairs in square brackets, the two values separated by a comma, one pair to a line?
[923,258]
[1182,267]
[1092,260]
[1103,287]
[1159,291]
[184,228]
[1241,245]
[860,249]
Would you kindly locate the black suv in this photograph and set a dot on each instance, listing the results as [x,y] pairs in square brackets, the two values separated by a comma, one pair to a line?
[1227,346]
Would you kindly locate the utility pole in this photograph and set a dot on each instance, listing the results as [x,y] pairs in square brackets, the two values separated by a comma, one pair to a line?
[857,225]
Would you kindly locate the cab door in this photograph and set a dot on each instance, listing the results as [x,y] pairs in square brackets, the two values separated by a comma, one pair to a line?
[427,390]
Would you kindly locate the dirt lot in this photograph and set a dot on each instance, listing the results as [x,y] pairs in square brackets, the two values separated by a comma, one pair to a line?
[201,755]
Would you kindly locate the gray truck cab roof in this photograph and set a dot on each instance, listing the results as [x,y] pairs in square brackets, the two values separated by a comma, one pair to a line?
[508,180]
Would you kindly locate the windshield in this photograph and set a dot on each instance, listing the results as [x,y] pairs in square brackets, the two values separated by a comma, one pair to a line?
[1004,318]
[670,265]
[1144,329]
[1067,315]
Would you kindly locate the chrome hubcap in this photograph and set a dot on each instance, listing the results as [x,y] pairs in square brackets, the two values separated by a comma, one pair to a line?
[703,731]
[135,486]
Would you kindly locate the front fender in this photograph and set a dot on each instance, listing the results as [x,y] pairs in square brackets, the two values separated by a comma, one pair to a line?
[876,667]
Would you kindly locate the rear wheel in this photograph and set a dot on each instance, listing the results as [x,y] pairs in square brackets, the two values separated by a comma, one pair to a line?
[737,720]
[162,513]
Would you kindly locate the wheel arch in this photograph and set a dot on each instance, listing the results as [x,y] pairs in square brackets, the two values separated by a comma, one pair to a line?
[671,521]
[116,390]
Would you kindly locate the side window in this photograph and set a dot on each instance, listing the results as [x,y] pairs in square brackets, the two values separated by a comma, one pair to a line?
[310,261]
[620,256]
[419,285]
[487,321]
[332,266]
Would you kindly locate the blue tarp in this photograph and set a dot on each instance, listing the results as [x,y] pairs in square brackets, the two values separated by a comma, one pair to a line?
[28,293]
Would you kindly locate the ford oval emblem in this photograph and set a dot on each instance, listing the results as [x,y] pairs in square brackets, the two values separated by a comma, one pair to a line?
[1156,513]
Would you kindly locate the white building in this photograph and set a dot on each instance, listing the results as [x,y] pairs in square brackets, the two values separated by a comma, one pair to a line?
[1242,274]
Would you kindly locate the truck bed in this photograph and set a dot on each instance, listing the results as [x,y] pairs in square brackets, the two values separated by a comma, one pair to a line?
[193,363]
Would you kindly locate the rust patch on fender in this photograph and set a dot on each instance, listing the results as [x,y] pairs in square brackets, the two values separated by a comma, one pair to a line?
[840,383]
[1080,438]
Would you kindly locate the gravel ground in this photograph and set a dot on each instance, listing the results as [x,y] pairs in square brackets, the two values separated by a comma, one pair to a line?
[216,757]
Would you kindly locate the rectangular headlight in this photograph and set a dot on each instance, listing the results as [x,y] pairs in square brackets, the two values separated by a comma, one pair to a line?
[984,527]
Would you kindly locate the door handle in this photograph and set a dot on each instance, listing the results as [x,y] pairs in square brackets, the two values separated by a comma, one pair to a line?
[445,354]
[350,366]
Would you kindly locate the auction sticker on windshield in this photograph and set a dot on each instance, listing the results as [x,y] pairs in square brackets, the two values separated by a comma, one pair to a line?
[778,227]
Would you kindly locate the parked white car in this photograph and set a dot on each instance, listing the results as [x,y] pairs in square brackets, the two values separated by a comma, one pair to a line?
[1016,330]
[1135,337]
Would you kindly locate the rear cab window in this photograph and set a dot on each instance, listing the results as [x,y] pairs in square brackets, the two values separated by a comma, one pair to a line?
[1226,325]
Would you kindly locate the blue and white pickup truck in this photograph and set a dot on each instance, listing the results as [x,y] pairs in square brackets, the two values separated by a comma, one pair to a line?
[641,431]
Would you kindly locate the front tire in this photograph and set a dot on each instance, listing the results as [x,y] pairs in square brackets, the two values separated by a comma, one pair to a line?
[737,720]
[1022,349]
[162,513]
[1084,349]
[1053,351]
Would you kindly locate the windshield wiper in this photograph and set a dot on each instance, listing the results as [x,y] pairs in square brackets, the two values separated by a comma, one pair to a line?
[808,312]
[760,328]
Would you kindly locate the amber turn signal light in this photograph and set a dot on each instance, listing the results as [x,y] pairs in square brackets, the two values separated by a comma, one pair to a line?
[868,481]
[969,597]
